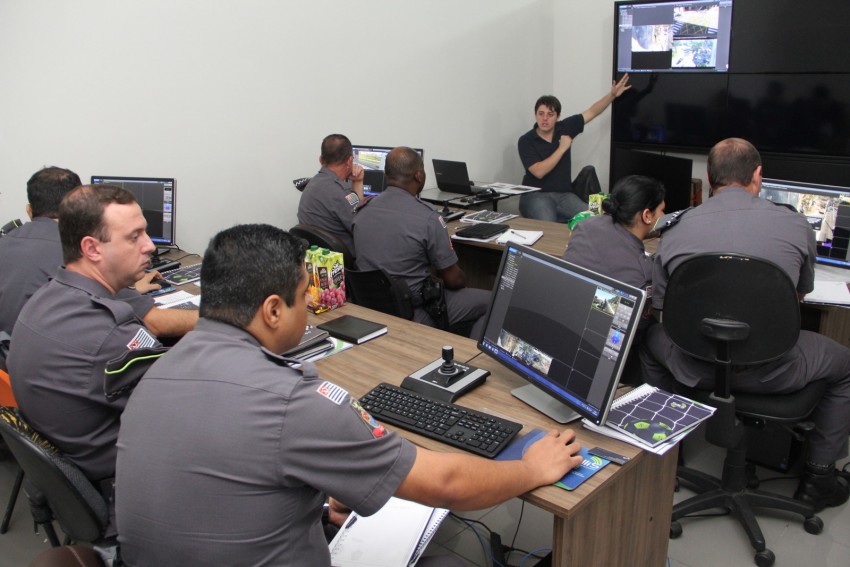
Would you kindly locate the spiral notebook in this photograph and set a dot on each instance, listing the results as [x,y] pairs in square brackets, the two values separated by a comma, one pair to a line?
[396,535]
[648,416]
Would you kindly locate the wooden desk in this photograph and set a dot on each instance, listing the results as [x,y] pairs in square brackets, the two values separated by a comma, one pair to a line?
[619,517]
[480,260]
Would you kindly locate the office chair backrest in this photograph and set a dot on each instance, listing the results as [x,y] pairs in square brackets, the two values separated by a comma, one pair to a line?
[323,239]
[76,504]
[732,287]
[379,291]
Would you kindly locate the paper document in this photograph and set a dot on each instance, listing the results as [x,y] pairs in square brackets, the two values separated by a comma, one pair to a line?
[511,189]
[177,298]
[829,293]
[527,237]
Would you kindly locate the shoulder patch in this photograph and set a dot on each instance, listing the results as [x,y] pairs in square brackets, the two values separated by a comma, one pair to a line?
[352,199]
[669,221]
[331,391]
[443,221]
[143,339]
[375,428]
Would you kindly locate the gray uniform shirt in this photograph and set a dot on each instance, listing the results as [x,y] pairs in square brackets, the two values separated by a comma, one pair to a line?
[329,203]
[400,234]
[64,337]
[734,220]
[601,245]
[30,255]
[226,454]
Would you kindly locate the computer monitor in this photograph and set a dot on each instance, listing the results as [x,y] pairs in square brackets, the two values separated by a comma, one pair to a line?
[672,35]
[156,198]
[826,207]
[564,329]
[373,159]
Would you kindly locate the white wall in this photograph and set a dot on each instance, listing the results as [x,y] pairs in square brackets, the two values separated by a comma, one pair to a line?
[232,98]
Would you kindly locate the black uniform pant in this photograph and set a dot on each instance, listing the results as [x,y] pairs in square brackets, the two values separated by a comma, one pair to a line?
[814,357]
[467,304]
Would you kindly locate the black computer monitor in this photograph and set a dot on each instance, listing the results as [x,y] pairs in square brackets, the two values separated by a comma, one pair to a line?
[373,159]
[673,172]
[156,198]
[566,330]
[826,207]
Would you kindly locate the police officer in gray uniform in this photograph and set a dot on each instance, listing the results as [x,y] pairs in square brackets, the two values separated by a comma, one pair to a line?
[72,327]
[242,444]
[333,195]
[34,252]
[612,244]
[405,237]
[736,220]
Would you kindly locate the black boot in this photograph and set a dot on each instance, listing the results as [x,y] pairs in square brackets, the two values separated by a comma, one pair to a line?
[822,489]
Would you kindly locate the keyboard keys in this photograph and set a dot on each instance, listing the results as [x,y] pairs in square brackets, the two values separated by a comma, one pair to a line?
[474,431]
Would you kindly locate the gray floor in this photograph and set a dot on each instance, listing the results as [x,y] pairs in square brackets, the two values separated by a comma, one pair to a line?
[706,542]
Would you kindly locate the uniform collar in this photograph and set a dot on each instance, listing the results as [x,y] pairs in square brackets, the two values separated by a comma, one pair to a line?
[81,282]
[345,185]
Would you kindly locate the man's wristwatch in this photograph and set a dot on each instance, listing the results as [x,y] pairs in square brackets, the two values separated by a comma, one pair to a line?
[326,514]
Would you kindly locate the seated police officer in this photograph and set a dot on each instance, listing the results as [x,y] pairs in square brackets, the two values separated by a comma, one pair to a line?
[403,236]
[227,449]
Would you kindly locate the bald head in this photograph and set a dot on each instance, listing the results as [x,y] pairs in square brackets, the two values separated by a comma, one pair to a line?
[404,168]
[734,161]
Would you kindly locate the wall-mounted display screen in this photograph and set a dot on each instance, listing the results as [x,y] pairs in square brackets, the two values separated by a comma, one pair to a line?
[680,36]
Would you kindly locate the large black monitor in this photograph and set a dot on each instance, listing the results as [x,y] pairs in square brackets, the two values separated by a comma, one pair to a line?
[156,198]
[674,172]
[373,159]
[565,329]
[672,35]
[826,207]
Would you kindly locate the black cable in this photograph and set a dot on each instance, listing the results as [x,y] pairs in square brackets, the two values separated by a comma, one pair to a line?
[518,522]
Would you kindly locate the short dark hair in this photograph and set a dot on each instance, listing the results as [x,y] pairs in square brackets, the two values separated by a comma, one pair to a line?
[548,101]
[246,264]
[401,165]
[336,149]
[81,215]
[47,187]
[631,195]
[732,162]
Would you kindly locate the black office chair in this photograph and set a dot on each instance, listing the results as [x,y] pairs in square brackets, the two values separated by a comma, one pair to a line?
[301,182]
[324,239]
[379,291]
[56,488]
[730,310]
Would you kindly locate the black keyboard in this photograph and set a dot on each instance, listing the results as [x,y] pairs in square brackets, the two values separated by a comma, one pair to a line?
[183,275]
[482,230]
[474,431]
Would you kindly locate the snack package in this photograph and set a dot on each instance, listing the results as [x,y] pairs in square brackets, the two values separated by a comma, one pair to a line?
[329,279]
[310,265]
[594,203]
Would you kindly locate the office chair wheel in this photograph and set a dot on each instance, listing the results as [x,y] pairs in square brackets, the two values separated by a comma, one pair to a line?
[813,525]
[675,530]
[765,558]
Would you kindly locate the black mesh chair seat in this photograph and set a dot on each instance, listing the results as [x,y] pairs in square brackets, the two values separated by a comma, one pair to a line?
[56,486]
[378,290]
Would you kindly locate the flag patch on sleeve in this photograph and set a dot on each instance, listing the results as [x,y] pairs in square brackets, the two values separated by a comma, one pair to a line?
[332,392]
[352,199]
[443,221]
[143,339]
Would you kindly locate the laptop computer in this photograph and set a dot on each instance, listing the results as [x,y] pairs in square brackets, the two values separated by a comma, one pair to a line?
[453,177]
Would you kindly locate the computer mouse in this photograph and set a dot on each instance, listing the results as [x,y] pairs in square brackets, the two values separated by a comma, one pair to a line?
[159,281]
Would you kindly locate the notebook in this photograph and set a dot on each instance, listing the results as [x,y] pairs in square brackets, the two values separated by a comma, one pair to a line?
[453,177]
[394,536]
[648,416]
[353,329]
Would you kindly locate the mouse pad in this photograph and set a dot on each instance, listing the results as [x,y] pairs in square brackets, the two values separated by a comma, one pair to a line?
[590,465]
